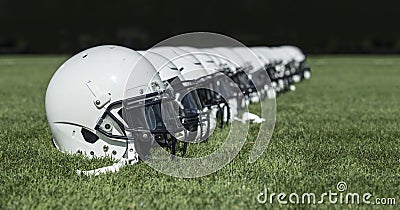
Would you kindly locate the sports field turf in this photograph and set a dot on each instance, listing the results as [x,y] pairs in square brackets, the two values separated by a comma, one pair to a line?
[342,125]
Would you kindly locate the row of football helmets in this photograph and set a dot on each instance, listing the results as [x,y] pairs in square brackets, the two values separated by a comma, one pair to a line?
[116,102]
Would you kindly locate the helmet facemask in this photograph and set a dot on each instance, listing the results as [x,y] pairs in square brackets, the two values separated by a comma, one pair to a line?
[152,120]
[193,118]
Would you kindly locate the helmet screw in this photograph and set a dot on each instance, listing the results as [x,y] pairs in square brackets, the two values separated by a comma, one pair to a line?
[107,126]
[145,136]
[114,152]
[105,148]
[141,91]
[97,102]
[130,150]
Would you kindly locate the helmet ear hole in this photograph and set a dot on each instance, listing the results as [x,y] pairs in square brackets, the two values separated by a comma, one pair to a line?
[89,136]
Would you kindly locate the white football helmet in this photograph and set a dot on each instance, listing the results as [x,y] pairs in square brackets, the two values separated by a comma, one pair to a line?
[192,70]
[91,102]
[273,65]
[303,70]
[230,69]
[190,113]
[257,72]
[224,99]
[238,74]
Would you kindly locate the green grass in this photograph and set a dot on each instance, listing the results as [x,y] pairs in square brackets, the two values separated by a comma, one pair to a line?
[342,125]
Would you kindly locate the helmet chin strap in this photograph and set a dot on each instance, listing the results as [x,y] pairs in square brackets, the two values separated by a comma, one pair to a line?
[131,158]
[253,118]
[112,169]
